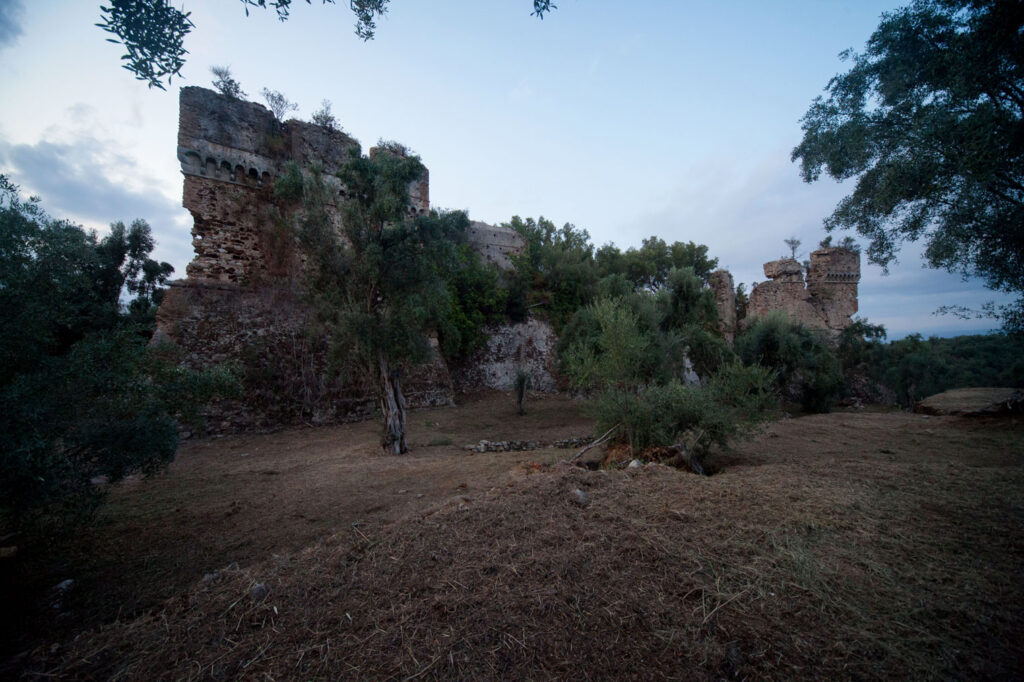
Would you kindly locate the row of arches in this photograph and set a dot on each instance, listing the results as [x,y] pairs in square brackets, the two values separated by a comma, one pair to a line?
[192,163]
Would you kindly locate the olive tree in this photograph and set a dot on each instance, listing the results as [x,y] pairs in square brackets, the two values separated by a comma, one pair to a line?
[377,281]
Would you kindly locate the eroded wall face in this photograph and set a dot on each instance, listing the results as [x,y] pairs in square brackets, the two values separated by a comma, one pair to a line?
[495,244]
[241,301]
[722,285]
[826,300]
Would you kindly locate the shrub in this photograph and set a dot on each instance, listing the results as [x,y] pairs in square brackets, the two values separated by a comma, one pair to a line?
[225,83]
[805,367]
[733,401]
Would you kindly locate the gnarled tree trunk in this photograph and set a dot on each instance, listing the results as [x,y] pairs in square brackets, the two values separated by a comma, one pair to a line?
[392,407]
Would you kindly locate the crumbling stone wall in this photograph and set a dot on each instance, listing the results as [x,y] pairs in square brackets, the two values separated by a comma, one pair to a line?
[495,243]
[826,300]
[529,346]
[722,285]
[241,302]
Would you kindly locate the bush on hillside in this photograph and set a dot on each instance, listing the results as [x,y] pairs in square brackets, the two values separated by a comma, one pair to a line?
[806,369]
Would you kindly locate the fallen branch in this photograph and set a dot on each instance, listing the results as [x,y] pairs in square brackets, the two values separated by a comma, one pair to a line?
[690,456]
[594,444]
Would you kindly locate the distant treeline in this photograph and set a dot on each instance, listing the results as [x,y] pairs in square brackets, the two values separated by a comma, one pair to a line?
[915,367]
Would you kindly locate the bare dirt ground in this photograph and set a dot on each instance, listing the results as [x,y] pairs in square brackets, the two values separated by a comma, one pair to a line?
[850,545]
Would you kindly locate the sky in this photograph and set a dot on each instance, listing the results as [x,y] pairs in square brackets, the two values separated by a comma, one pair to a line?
[627,119]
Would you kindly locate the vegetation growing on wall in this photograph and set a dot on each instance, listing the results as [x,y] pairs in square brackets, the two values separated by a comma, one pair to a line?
[377,282]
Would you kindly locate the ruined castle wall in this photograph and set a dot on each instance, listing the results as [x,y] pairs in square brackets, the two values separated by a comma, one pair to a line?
[241,301]
[826,301]
[266,331]
[495,243]
[832,283]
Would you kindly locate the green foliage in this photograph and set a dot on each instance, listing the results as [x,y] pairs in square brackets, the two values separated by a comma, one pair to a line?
[59,283]
[80,394]
[279,105]
[847,243]
[806,368]
[916,368]
[225,84]
[613,348]
[324,117]
[676,322]
[734,400]
[476,297]
[619,350]
[648,267]
[561,272]
[289,185]
[153,31]
[557,268]
[377,283]
[930,120]
[87,413]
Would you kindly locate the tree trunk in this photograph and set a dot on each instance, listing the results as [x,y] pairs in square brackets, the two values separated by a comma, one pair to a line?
[392,407]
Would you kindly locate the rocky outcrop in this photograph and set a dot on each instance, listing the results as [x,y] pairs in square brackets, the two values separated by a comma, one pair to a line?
[528,346]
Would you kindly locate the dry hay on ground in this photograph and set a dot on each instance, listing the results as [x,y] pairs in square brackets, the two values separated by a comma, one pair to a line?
[969,402]
[817,553]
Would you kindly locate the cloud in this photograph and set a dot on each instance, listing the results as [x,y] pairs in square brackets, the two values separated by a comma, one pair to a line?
[10,21]
[522,91]
[84,181]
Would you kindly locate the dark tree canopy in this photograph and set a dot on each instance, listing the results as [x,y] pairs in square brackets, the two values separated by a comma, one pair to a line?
[930,122]
[153,31]
[81,395]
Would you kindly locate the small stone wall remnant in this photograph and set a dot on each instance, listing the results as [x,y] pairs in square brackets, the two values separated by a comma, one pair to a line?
[722,285]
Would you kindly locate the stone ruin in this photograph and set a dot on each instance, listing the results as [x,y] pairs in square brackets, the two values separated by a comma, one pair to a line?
[242,299]
[825,299]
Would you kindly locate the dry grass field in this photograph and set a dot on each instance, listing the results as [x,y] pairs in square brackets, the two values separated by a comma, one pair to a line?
[851,545]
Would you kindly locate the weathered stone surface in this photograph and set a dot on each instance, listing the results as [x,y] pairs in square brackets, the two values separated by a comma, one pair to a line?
[826,301]
[285,367]
[784,270]
[526,345]
[240,302]
[722,285]
[495,243]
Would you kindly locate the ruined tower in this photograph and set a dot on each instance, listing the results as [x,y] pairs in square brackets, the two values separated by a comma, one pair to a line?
[825,301]
[242,299]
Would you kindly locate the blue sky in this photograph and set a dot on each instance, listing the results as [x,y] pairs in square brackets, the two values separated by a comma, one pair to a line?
[627,119]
